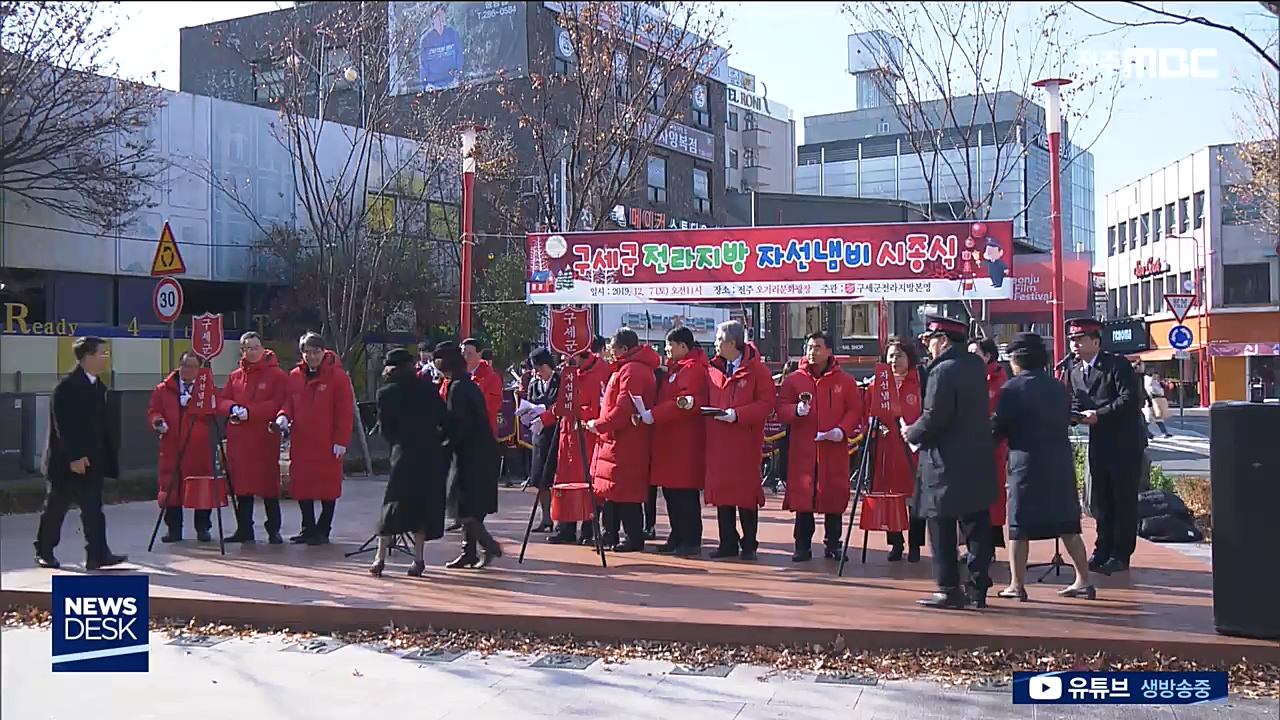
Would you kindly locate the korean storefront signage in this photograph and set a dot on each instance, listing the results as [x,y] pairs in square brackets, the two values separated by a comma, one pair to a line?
[680,138]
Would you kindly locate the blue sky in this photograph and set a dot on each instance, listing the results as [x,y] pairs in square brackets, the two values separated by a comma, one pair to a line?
[798,49]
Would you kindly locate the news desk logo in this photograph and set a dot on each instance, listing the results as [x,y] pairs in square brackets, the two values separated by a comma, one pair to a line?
[100,623]
[1108,688]
[1157,63]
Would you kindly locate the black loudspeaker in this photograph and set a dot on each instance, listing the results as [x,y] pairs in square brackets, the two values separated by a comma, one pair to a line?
[1244,468]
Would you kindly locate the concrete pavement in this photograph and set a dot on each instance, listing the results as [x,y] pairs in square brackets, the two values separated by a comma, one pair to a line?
[268,676]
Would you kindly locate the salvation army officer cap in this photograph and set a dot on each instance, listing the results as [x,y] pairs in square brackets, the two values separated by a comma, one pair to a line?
[939,325]
[1078,327]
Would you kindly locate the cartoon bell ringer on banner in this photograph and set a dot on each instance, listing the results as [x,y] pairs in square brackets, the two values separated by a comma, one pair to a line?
[993,254]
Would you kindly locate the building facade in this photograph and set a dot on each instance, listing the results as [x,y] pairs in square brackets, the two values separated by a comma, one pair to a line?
[1191,228]
[760,138]
[683,182]
[868,153]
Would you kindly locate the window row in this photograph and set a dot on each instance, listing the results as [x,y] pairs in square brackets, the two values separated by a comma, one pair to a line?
[1172,219]
[656,180]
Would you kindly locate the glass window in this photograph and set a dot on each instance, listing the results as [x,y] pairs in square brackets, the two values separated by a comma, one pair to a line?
[621,70]
[1123,242]
[1239,206]
[1122,307]
[1246,284]
[731,121]
[1144,228]
[1134,300]
[1183,281]
[859,320]
[1133,233]
[658,84]
[1184,215]
[1146,297]
[1170,220]
[1110,310]
[701,108]
[1171,284]
[657,179]
[1157,224]
[1197,206]
[802,320]
[733,159]
[1157,295]
[1111,241]
[702,191]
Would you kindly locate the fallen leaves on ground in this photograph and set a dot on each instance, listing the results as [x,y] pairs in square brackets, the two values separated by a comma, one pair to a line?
[950,667]
[1198,498]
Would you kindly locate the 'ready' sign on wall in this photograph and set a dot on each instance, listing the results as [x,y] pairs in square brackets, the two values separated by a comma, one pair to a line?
[906,261]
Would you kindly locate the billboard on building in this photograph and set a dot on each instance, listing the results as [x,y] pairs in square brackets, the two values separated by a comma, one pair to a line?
[1033,285]
[441,45]
[908,261]
[653,323]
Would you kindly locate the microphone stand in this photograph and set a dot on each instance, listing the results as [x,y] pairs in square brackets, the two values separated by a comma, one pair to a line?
[1057,562]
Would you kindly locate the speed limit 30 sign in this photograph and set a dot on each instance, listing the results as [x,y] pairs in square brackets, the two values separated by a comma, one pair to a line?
[167,300]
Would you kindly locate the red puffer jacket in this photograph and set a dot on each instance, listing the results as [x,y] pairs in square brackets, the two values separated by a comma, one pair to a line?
[620,466]
[680,436]
[818,471]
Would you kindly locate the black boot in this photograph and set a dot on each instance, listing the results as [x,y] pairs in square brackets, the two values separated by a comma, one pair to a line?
[895,552]
[173,525]
[469,557]
[946,601]
[491,548]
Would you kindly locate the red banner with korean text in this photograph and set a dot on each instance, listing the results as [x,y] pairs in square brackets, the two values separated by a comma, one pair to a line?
[204,394]
[905,261]
[883,396]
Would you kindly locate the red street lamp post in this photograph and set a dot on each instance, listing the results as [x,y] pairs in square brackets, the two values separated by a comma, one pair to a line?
[468,212]
[1053,124]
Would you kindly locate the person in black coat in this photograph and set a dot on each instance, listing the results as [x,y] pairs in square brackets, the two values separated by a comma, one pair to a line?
[544,388]
[411,417]
[956,477]
[80,455]
[475,463]
[1107,396]
[1033,414]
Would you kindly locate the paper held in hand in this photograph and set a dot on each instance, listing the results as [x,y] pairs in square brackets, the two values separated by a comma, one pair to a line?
[525,408]
[638,402]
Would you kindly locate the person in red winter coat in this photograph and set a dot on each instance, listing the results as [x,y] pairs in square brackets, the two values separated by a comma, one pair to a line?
[254,395]
[679,461]
[485,378]
[821,405]
[741,396]
[583,378]
[184,438]
[895,462]
[620,464]
[318,412]
[996,378]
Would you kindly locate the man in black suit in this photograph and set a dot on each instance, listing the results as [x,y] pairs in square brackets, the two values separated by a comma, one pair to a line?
[956,478]
[1106,395]
[80,455]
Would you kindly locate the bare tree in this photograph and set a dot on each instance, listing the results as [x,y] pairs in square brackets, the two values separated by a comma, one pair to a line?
[375,234]
[72,136]
[1159,16]
[594,109]
[956,77]
[1259,151]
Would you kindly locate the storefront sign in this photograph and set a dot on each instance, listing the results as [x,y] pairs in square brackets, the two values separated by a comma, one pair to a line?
[905,261]
[741,79]
[755,103]
[17,322]
[1125,337]
[1033,285]
[1150,268]
[859,347]
[680,138]
[635,218]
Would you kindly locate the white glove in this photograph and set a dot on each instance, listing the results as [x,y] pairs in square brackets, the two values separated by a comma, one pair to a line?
[647,417]
[832,435]
[241,412]
[802,409]
[282,422]
[162,427]
[729,416]
[339,451]
[183,400]
[535,427]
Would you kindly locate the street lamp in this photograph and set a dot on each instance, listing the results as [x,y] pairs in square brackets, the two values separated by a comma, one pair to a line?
[1053,124]
[1202,312]
[469,132]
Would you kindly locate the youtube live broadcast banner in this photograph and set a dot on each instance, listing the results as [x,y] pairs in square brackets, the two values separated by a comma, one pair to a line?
[904,261]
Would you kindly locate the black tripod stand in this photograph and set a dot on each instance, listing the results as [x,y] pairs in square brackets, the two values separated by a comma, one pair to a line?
[220,474]
[1053,566]
[399,543]
[861,481]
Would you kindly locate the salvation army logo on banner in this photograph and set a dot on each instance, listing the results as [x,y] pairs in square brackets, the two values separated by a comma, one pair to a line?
[100,623]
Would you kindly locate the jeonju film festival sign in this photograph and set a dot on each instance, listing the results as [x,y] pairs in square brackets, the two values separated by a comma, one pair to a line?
[441,45]
[915,261]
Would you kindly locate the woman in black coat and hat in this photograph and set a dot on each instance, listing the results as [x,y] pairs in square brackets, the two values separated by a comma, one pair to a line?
[411,416]
[1033,412]
[544,389]
[475,463]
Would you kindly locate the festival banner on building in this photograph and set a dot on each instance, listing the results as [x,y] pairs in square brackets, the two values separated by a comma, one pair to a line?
[904,261]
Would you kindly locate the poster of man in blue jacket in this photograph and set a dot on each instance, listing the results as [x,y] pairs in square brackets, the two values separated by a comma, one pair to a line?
[440,53]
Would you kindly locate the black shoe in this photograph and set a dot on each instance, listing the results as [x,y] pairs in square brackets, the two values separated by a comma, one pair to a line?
[204,536]
[171,537]
[275,539]
[588,540]
[1095,562]
[748,555]
[895,553]
[667,548]
[106,561]
[913,555]
[688,551]
[300,538]
[629,546]
[1113,566]
[946,601]
[240,536]
[801,556]
[455,527]
[977,593]
[545,527]
[562,539]
[318,539]
[47,561]
[416,569]
[610,540]
[651,533]
[834,553]
[724,552]
[465,560]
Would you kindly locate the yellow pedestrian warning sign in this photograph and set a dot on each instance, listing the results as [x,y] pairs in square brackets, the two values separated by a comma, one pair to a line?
[167,261]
